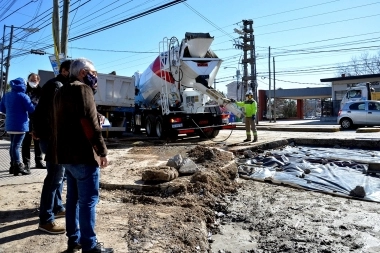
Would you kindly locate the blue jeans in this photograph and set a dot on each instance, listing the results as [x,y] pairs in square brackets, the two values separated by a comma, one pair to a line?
[81,200]
[14,150]
[51,195]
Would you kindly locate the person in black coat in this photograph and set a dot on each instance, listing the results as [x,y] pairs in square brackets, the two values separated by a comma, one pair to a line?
[33,90]
[51,206]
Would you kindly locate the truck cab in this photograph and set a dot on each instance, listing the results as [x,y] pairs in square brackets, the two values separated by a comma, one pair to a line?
[361,91]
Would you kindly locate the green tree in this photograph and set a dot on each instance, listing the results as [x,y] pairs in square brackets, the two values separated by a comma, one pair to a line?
[289,108]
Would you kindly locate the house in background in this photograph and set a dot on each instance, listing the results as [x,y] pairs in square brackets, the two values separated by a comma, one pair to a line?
[339,87]
[235,91]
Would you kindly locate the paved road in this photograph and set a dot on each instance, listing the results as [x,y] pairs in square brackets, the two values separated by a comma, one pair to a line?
[267,132]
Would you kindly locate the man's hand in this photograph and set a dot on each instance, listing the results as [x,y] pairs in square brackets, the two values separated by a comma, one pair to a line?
[103,162]
[232,100]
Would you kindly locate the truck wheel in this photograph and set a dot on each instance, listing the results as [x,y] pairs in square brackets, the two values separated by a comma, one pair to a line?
[150,126]
[212,134]
[346,123]
[160,128]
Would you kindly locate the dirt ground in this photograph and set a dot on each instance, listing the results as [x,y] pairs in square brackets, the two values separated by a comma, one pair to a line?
[212,210]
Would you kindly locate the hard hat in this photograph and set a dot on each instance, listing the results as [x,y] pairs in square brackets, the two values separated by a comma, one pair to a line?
[249,93]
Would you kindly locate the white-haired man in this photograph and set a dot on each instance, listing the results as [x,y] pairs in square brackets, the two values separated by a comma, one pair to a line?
[79,146]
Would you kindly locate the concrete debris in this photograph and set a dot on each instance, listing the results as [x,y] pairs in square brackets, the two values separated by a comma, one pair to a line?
[188,167]
[160,174]
[176,161]
[248,154]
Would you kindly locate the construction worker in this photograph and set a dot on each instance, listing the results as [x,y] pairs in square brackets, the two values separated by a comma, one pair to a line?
[250,108]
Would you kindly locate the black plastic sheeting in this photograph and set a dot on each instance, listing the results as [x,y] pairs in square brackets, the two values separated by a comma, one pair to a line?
[332,170]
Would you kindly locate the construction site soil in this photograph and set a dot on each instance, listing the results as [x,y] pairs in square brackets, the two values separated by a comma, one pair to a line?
[212,210]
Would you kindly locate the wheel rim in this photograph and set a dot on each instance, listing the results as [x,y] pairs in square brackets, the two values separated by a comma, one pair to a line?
[346,123]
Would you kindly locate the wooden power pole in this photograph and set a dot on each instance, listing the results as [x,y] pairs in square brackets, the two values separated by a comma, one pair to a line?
[65,29]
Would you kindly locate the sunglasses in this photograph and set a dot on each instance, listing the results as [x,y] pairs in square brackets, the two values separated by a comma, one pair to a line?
[92,72]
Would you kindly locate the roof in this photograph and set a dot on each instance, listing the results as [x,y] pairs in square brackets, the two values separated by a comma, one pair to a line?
[302,93]
[347,78]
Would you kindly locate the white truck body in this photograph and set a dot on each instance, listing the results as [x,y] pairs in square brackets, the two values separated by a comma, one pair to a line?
[115,90]
[115,99]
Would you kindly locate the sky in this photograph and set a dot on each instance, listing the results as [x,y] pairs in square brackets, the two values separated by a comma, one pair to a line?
[309,39]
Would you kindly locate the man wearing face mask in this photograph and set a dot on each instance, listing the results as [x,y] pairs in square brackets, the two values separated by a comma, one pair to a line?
[51,206]
[79,146]
[33,90]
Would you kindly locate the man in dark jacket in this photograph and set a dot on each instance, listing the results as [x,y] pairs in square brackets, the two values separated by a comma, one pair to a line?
[51,201]
[33,90]
[79,146]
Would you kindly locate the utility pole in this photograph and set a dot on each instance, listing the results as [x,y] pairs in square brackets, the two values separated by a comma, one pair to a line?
[274,92]
[269,98]
[55,28]
[7,63]
[247,46]
[2,79]
[237,83]
[65,29]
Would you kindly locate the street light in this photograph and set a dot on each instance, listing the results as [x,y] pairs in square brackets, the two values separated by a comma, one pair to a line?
[237,80]
[3,83]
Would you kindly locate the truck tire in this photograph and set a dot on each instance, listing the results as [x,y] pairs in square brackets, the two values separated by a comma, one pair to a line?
[212,134]
[150,126]
[160,130]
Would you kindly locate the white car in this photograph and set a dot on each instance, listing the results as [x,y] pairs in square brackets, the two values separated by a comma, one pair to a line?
[365,113]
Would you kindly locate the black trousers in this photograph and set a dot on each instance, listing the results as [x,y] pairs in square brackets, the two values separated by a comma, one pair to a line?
[25,149]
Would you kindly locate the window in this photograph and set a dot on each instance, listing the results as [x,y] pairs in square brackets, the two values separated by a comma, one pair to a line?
[354,94]
[357,106]
[373,106]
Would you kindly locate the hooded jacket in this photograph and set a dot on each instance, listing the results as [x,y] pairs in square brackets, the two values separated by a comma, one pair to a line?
[17,105]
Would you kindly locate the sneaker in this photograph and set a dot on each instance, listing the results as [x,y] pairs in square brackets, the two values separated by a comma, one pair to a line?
[74,249]
[52,228]
[99,249]
[60,214]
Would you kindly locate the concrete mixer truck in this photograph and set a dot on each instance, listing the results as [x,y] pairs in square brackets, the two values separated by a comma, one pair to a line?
[174,94]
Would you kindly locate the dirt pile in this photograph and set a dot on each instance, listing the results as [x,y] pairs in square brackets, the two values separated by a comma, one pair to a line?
[181,220]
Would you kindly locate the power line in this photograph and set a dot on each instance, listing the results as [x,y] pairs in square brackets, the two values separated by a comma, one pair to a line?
[319,14]
[328,23]
[164,6]
[208,21]
[19,9]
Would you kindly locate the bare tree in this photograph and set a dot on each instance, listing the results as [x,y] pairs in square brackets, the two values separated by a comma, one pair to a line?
[363,65]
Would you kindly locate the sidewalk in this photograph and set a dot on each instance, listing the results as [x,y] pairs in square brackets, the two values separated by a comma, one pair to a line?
[294,126]
[38,175]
